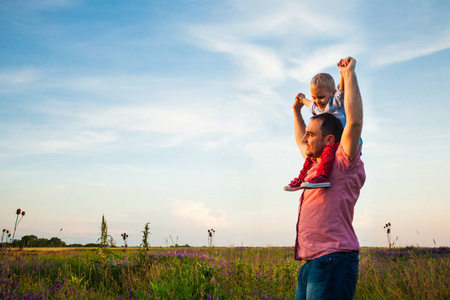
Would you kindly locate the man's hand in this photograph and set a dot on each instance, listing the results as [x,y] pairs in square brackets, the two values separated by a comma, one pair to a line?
[347,64]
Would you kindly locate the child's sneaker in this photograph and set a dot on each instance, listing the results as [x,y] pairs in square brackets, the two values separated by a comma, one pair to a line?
[317,182]
[295,185]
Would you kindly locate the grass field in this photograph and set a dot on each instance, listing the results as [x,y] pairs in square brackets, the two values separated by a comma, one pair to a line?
[209,273]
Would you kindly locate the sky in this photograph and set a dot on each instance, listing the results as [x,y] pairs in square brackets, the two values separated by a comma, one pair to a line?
[179,113]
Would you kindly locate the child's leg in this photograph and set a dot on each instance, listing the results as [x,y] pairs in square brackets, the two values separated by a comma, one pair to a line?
[327,160]
[306,166]
[323,169]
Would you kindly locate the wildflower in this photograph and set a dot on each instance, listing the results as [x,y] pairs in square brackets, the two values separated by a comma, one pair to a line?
[208,297]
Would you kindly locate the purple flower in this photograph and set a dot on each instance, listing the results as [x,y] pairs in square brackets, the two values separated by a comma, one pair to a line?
[208,297]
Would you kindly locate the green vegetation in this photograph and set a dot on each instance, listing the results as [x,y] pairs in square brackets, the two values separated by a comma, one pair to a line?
[202,273]
[145,236]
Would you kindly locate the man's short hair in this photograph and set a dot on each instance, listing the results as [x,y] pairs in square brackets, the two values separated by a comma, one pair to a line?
[330,125]
[323,80]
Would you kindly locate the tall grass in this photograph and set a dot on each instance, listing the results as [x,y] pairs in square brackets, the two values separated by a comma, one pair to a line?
[407,273]
[199,273]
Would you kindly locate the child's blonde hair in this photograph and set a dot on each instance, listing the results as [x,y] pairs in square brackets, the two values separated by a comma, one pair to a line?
[323,80]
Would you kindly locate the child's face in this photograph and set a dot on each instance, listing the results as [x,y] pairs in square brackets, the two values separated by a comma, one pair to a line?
[321,96]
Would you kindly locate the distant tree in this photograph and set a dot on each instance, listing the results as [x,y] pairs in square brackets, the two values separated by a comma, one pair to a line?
[43,242]
[56,242]
[29,241]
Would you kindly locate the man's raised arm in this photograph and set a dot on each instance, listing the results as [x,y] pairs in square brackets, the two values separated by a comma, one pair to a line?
[353,108]
[299,123]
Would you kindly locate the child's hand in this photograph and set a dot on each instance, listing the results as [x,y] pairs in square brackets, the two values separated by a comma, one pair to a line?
[298,103]
[347,64]
[301,97]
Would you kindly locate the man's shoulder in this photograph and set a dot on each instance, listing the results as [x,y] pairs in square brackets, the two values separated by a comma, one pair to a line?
[344,160]
[350,170]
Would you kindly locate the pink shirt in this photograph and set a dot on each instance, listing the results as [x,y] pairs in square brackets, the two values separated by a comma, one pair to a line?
[325,215]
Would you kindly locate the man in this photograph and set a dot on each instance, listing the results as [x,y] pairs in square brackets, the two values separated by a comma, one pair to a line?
[325,235]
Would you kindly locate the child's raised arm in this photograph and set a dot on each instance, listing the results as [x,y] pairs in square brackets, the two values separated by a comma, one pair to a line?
[303,100]
[341,83]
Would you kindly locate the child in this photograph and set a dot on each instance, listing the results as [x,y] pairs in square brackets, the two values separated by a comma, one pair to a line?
[325,98]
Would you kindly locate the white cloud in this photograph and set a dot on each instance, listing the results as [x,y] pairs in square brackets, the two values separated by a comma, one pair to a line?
[176,120]
[287,18]
[422,30]
[55,140]
[271,42]
[18,76]
[411,49]
[200,215]
[320,59]
[255,61]
[142,105]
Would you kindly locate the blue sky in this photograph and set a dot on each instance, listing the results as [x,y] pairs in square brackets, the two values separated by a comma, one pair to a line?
[179,113]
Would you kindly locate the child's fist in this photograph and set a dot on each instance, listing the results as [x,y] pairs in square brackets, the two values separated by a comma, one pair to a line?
[298,103]
[300,97]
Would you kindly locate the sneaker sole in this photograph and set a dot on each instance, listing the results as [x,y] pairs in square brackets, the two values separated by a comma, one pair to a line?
[307,185]
[290,189]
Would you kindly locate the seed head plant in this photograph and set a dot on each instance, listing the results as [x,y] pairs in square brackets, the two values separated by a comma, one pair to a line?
[124,237]
[172,243]
[5,233]
[388,233]
[211,233]
[20,213]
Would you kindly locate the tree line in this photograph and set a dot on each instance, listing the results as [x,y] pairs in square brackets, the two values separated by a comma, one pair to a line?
[32,241]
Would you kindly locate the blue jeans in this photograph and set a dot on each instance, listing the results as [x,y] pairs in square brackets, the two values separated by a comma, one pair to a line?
[332,276]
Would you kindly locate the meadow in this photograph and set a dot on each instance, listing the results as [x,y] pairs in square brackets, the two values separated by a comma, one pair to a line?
[209,273]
